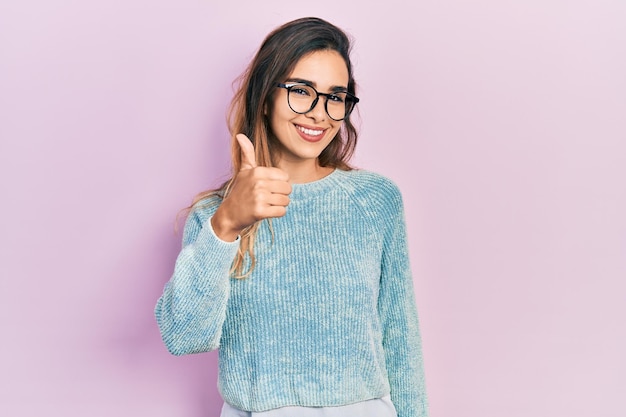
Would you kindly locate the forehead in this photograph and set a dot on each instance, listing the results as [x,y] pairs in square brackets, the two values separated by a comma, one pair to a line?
[324,69]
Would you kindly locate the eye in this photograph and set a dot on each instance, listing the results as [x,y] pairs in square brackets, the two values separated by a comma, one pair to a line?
[300,91]
[337,98]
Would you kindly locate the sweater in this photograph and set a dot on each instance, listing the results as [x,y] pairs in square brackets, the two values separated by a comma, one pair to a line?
[328,315]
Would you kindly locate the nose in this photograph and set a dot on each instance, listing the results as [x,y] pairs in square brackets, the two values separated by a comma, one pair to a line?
[318,112]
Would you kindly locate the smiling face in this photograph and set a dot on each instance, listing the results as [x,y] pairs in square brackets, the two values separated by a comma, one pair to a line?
[303,137]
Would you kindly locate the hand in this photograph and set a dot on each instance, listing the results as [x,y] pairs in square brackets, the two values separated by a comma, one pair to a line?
[257,193]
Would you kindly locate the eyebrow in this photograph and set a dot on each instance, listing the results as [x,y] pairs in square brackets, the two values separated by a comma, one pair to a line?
[335,88]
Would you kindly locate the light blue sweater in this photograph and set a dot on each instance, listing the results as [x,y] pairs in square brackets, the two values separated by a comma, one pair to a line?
[328,315]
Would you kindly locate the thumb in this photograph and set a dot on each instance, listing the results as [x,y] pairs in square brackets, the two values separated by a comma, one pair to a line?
[248,160]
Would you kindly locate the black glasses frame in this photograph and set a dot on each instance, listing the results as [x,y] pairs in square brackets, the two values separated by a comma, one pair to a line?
[350,101]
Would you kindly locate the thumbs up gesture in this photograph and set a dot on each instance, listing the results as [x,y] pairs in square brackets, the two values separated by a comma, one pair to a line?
[257,193]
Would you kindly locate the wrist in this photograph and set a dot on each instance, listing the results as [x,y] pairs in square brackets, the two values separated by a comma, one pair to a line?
[223,228]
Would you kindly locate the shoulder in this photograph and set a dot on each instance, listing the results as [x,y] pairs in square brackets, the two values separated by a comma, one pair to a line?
[379,200]
[370,189]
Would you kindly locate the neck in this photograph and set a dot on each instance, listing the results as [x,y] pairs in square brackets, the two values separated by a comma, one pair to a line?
[304,171]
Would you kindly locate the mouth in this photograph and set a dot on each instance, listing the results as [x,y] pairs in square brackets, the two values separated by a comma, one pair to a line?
[310,134]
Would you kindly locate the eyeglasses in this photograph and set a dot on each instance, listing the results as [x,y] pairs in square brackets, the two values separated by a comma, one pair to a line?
[302,98]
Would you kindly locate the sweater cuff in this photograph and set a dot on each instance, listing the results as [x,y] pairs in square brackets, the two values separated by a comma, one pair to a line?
[208,225]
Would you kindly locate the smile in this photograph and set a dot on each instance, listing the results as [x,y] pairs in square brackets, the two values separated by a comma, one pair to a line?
[310,132]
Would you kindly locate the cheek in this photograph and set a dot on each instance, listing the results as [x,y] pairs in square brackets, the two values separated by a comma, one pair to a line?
[337,126]
[280,113]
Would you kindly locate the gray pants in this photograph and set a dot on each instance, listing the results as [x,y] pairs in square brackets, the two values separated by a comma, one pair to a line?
[379,407]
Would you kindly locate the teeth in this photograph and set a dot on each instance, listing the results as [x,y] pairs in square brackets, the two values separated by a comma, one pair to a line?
[310,132]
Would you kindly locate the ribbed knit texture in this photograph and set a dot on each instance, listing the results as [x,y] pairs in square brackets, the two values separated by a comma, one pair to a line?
[328,316]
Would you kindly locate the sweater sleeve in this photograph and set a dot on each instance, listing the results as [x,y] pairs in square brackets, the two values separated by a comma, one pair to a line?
[398,313]
[192,309]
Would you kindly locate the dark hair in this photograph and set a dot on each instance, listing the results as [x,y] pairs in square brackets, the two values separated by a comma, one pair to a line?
[251,107]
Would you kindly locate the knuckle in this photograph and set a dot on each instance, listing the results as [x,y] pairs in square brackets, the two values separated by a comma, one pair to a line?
[258,210]
[259,195]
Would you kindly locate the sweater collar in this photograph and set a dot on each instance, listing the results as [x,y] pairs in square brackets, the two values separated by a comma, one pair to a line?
[315,188]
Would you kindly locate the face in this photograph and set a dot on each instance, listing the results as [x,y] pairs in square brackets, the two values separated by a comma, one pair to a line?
[304,136]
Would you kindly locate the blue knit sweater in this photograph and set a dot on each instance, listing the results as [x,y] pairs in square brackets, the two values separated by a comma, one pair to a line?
[328,315]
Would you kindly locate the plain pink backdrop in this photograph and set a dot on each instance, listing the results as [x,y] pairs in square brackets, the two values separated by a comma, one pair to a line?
[504,124]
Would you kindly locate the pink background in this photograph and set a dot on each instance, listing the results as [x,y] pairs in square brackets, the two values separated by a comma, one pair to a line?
[504,124]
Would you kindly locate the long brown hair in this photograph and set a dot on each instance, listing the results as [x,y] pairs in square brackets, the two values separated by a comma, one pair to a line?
[250,109]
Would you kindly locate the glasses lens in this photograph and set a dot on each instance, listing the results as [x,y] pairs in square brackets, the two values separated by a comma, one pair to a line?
[337,105]
[301,98]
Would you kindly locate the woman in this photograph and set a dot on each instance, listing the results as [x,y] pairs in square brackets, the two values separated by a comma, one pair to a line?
[296,269]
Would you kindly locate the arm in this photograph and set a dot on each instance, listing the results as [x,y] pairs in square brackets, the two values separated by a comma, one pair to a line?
[398,313]
[192,309]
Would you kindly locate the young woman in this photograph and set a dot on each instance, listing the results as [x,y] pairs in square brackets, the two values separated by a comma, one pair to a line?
[297,269]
